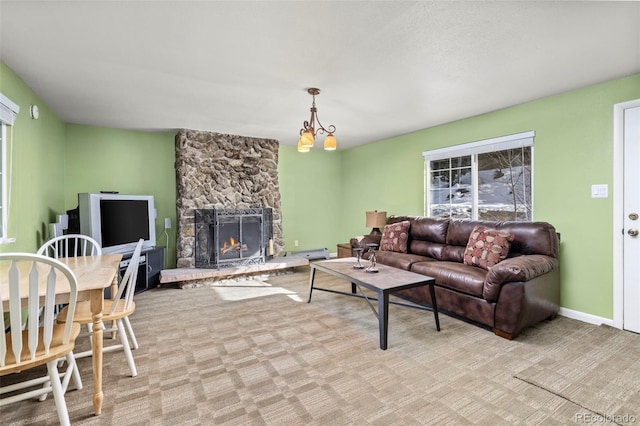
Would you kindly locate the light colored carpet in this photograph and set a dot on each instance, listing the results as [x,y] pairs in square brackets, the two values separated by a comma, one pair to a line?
[598,369]
[254,352]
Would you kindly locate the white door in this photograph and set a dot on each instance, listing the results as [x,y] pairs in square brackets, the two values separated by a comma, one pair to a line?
[631,220]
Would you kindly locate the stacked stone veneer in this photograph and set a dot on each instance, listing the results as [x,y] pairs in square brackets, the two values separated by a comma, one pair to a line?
[218,171]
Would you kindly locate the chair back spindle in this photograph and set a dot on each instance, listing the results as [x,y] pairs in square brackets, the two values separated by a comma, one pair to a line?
[128,282]
[28,285]
[70,245]
[42,274]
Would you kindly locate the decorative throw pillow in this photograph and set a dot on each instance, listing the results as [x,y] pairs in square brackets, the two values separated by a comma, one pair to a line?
[395,237]
[487,247]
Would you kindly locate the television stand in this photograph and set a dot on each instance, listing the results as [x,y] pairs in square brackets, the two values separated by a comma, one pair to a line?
[151,263]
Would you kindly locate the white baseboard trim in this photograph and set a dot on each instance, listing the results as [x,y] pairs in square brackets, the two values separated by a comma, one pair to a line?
[333,255]
[588,318]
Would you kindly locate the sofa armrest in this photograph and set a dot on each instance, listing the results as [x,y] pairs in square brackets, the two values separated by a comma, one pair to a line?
[522,268]
[361,241]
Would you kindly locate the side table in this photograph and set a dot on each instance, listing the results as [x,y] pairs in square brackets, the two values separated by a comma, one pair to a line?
[344,250]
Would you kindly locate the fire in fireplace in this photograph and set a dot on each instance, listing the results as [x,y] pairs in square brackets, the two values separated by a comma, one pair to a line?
[232,246]
[227,237]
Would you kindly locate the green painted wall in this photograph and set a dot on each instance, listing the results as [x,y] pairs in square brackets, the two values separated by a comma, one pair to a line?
[37,171]
[53,161]
[573,150]
[311,194]
[127,161]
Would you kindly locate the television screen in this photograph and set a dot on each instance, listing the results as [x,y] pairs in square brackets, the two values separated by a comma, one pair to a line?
[118,221]
[123,221]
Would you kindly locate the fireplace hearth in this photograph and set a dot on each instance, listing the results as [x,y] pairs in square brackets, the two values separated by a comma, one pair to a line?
[231,237]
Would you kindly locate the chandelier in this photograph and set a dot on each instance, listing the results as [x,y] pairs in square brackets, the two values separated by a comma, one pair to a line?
[309,131]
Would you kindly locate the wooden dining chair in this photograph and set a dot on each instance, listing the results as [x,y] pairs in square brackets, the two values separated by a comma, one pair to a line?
[70,245]
[117,309]
[29,281]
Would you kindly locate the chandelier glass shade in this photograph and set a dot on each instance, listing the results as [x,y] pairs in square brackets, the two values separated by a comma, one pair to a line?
[302,147]
[313,127]
[307,139]
[330,143]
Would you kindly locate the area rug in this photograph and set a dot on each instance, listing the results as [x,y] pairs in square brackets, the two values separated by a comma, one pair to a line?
[599,371]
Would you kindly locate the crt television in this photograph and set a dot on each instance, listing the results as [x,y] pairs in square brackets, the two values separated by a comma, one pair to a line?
[118,221]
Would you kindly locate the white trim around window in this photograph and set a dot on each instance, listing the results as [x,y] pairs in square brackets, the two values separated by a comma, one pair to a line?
[8,113]
[8,110]
[462,160]
[501,143]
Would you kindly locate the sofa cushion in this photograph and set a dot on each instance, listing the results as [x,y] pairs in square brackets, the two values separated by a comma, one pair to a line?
[529,237]
[457,276]
[429,229]
[532,237]
[427,235]
[487,247]
[459,231]
[454,253]
[426,248]
[395,237]
[400,260]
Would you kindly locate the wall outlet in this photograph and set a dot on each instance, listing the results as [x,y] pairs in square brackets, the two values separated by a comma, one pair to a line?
[167,223]
[295,243]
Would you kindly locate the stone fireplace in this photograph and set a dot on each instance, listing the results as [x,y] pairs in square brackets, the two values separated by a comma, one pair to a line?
[225,173]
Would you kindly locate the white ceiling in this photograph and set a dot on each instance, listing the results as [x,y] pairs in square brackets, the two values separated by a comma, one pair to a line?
[385,68]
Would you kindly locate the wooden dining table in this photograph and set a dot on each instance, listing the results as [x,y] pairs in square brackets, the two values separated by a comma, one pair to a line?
[94,274]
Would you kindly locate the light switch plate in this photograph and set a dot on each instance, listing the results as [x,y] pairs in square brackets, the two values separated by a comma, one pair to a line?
[600,191]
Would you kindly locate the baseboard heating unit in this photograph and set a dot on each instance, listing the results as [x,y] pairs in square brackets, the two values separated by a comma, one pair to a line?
[311,254]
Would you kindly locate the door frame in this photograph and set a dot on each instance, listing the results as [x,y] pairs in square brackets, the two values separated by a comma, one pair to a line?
[618,209]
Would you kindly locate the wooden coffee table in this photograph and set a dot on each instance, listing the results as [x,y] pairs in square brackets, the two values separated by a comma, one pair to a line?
[386,281]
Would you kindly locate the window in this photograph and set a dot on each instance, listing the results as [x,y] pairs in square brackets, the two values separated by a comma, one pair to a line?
[488,180]
[3,179]
[8,113]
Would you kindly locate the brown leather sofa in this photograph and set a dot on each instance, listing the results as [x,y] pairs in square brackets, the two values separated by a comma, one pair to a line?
[517,292]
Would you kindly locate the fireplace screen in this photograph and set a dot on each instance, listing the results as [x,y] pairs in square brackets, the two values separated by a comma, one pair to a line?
[226,238]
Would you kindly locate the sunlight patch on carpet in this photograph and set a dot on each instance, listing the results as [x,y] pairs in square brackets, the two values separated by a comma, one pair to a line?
[235,289]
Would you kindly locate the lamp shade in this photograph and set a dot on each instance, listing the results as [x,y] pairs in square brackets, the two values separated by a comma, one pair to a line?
[306,139]
[376,219]
[330,143]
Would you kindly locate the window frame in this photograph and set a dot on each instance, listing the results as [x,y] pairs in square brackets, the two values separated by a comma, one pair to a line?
[8,113]
[3,182]
[473,149]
